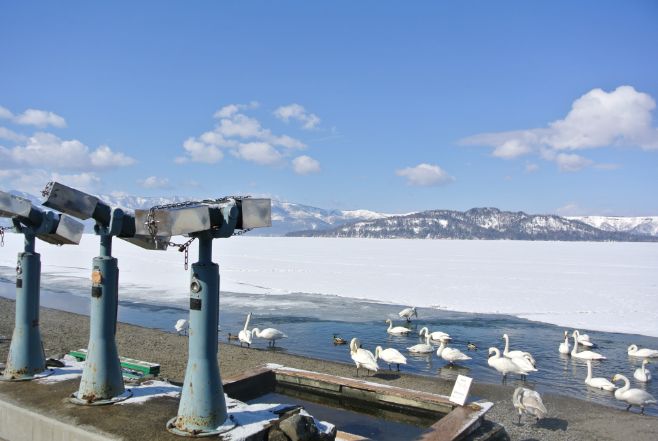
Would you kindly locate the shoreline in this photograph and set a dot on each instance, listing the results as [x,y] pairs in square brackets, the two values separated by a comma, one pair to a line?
[568,418]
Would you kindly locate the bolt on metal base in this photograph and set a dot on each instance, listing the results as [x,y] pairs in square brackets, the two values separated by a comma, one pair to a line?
[101,402]
[226,427]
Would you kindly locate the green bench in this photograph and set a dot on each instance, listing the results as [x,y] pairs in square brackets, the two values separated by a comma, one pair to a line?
[131,368]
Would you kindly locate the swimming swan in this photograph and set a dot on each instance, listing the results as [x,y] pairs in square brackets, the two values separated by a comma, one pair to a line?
[270,334]
[565,347]
[407,313]
[642,374]
[398,330]
[504,365]
[513,354]
[245,335]
[634,397]
[362,357]
[528,401]
[633,351]
[583,355]
[598,382]
[436,335]
[451,355]
[390,356]
[422,348]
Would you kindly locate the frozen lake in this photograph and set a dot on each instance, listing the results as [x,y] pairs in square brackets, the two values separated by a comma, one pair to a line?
[607,286]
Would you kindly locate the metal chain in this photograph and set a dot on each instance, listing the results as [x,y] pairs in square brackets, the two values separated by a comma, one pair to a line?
[2,236]
[183,247]
[46,190]
[152,224]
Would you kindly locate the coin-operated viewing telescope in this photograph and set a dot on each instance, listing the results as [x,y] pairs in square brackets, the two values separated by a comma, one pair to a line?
[102,380]
[26,358]
[202,409]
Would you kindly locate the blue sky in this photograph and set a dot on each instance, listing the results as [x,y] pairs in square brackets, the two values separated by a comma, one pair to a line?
[389,106]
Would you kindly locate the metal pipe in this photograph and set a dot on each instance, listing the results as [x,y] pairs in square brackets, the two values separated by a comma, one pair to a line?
[106,246]
[102,378]
[202,409]
[26,357]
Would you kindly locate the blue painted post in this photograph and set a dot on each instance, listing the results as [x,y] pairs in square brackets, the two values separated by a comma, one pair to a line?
[102,379]
[26,357]
[202,409]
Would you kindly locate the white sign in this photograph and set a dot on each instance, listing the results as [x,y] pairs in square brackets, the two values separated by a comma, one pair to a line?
[460,390]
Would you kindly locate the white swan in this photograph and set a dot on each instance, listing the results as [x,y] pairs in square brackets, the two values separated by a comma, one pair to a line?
[528,401]
[514,354]
[634,397]
[504,365]
[633,351]
[407,313]
[397,330]
[436,335]
[584,340]
[422,348]
[583,355]
[362,357]
[451,355]
[182,326]
[270,334]
[598,382]
[245,335]
[390,356]
[643,374]
[565,347]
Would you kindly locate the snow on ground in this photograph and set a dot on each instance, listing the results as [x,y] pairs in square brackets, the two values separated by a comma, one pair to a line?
[608,286]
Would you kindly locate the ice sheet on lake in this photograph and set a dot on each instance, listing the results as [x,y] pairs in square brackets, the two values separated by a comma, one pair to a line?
[608,286]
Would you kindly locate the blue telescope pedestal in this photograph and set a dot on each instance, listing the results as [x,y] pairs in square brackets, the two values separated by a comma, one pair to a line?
[202,409]
[26,359]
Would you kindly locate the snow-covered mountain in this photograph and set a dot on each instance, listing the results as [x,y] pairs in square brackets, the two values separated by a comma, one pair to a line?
[286,216]
[477,223]
[633,225]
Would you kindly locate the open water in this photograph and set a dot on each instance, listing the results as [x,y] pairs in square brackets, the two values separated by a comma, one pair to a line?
[311,320]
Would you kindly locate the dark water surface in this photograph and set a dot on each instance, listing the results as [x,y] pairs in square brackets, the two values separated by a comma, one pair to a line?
[311,320]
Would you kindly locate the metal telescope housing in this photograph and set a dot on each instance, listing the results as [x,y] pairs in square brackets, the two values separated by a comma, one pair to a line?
[215,218]
[55,228]
[26,358]
[112,221]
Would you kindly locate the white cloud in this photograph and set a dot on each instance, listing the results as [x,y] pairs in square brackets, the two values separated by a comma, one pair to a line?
[298,113]
[154,182]
[5,113]
[259,152]
[104,157]
[34,180]
[39,118]
[597,119]
[242,136]
[198,151]
[304,165]
[570,162]
[47,150]
[10,135]
[425,175]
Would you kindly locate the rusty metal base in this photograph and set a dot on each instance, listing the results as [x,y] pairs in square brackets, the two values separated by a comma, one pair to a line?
[41,374]
[104,402]
[227,426]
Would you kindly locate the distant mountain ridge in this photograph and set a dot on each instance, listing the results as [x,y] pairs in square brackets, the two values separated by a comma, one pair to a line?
[291,219]
[476,223]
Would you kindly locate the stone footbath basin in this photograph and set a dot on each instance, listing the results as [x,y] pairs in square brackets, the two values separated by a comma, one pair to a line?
[362,410]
